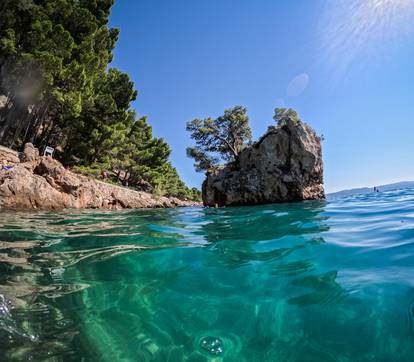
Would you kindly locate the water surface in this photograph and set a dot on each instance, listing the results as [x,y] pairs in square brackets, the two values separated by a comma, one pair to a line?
[311,281]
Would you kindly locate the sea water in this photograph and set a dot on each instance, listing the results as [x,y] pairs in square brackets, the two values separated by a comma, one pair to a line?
[310,281]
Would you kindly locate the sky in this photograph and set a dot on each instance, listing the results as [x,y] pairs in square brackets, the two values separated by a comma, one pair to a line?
[346,66]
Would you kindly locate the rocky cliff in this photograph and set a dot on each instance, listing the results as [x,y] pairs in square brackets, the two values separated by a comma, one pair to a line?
[30,181]
[284,165]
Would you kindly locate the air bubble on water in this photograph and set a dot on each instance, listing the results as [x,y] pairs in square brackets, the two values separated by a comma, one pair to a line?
[33,337]
[63,323]
[212,344]
[57,272]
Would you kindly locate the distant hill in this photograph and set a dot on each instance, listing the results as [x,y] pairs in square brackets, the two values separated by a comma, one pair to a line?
[365,190]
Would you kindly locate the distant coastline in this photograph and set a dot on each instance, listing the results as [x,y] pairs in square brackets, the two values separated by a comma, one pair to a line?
[364,190]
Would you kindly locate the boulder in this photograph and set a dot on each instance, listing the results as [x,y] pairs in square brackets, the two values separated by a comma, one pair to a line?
[31,153]
[284,165]
[8,156]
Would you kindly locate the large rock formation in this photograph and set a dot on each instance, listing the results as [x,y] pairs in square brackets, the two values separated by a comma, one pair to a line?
[37,182]
[284,165]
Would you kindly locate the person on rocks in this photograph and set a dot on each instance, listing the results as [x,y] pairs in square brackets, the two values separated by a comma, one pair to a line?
[104,175]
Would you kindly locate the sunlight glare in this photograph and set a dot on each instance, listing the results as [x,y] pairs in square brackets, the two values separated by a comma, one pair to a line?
[359,30]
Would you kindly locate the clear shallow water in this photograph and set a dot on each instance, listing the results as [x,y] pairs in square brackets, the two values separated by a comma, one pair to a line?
[312,281]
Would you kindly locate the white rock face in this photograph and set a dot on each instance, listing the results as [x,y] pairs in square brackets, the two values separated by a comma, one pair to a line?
[284,165]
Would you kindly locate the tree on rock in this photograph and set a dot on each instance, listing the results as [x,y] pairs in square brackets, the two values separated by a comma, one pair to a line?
[219,140]
[284,114]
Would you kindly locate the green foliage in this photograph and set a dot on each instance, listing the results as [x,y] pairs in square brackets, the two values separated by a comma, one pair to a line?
[54,57]
[219,139]
[284,114]
[87,171]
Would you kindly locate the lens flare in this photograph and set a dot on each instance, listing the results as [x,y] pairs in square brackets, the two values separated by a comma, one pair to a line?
[297,85]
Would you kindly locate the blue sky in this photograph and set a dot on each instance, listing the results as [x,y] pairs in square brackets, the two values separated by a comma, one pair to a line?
[346,66]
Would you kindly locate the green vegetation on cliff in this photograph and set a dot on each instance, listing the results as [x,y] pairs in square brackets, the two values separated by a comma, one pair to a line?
[218,141]
[57,89]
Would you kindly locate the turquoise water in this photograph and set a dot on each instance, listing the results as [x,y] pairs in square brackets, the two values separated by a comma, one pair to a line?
[311,281]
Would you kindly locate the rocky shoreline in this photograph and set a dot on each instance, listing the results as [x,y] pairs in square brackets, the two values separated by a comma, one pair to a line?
[30,181]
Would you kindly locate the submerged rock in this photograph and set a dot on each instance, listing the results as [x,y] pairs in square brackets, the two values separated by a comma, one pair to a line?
[41,182]
[284,165]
